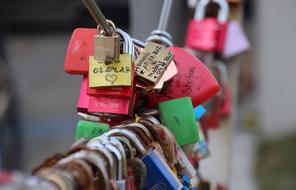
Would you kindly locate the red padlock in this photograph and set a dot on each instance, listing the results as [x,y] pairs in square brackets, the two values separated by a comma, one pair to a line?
[80,47]
[220,105]
[227,101]
[193,80]
[208,34]
[121,92]
[212,118]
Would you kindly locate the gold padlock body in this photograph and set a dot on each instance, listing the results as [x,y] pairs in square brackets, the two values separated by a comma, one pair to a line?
[107,48]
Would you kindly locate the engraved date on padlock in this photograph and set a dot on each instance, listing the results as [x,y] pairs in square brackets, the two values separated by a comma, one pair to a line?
[152,63]
[110,74]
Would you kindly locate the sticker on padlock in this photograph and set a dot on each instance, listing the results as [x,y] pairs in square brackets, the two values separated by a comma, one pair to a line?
[110,74]
[159,174]
[208,34]
[88,129]
[178,116]
[152,63]
[80,47]
[236,41]
[193,80]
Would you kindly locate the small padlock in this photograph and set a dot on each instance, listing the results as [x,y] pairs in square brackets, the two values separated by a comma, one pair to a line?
[200,150]
[83,99]
[103,74]
[211,120]
[80,47]
[199,111]
[110,105]
[152,63]
[159,174]
[107,48]
[122,92]
[193,80]
[183,165]
[227,101]
[178,116]
[88,129]
[236,41]
[208,34]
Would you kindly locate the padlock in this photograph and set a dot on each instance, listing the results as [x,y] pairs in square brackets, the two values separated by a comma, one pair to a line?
[103,105]
[164,137]
[211,120]
[184,165]
[159,174]
[111,74]
[152,63]
[208,34]
[200,150]
[80,47]
[62,179]
[216,104]
[97,146]
[236,41]
[88,129]
[178,116]
[168,74]
[82,172]
[193,80]
[199,111]
[111,105]
[107,48]
[96,160]
[83,99]
[121,92]
[139,170]
[227,101]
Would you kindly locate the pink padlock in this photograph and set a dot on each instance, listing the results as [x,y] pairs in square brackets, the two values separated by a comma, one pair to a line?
[83,99]
[208,34]
[236,41]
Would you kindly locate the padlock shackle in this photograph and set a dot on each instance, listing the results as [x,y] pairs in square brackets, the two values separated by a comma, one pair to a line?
[201,6]
[165,14]
[98,16]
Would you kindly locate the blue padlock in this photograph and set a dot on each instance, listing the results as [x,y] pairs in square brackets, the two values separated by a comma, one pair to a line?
[159,174]
[199,111]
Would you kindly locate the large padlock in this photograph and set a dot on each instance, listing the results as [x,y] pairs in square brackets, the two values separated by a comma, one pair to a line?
[208,34]
[80,47]
[193,80]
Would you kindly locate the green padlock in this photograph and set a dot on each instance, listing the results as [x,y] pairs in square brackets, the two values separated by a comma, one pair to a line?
[178,116]
[89,129]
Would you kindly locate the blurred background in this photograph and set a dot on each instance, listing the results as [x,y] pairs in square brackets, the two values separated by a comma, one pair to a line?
[38,99]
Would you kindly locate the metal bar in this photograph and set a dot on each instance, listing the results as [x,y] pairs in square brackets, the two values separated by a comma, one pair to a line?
[98,16]
[165,13]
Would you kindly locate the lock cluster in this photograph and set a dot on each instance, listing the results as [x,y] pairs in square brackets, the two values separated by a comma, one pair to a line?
[144,107]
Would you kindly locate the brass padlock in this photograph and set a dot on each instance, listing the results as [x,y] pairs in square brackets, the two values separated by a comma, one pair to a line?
[107,48]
